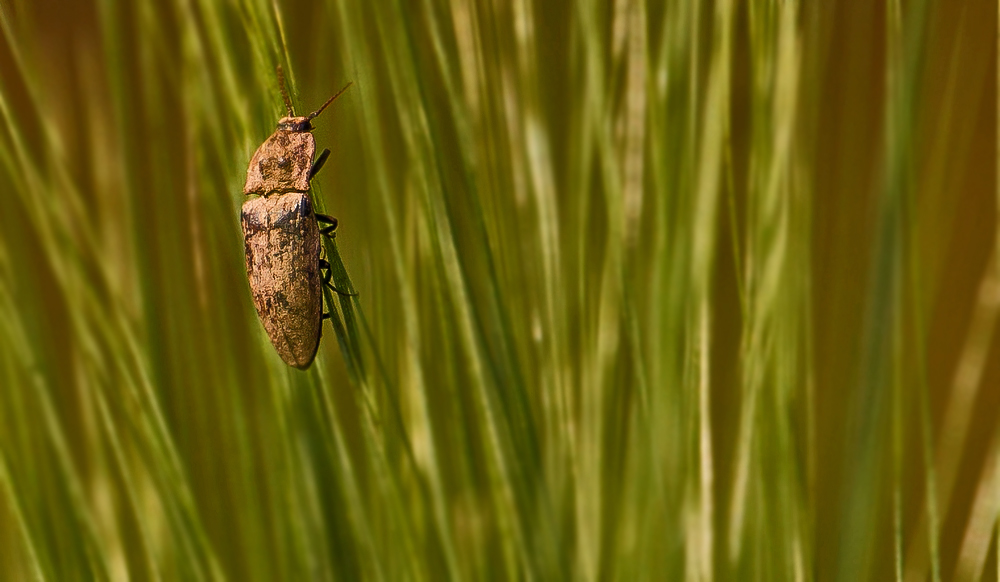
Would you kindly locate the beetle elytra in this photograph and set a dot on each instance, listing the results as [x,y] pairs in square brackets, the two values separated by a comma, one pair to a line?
[281,236]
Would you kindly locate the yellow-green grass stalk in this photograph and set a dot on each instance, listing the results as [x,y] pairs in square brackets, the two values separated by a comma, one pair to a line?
[615,298]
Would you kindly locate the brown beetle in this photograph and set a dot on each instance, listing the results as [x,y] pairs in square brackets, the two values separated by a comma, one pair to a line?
[281,235]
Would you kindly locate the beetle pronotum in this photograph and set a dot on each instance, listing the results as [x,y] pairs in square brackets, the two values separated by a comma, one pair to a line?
[281,235]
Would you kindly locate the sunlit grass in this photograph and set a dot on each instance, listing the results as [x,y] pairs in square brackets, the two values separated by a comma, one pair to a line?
[640,290]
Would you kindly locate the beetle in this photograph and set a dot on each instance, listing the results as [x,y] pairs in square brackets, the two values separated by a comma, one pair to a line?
[281,236]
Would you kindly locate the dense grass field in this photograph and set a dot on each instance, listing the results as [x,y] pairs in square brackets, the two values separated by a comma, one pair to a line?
[646,290]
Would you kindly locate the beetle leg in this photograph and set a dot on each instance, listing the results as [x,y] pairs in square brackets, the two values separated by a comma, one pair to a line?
[329,308]
[324,264]
[319,163]
[327,230]
[339,292]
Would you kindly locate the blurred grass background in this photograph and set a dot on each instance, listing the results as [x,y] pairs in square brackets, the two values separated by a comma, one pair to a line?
[648,290]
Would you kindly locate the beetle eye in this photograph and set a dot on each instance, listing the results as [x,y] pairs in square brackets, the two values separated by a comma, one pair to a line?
[282,162]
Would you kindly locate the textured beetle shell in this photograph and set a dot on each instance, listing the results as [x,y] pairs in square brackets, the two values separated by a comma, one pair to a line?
[282,252]
[281,164]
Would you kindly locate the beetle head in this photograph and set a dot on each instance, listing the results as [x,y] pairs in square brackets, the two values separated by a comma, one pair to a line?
[298,124]
[295,124]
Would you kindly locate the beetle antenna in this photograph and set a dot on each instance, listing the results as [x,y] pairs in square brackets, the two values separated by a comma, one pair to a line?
[330,100]
[284,92]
